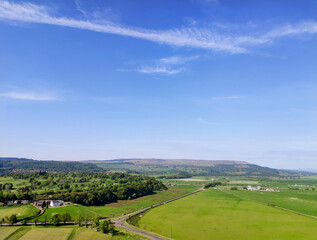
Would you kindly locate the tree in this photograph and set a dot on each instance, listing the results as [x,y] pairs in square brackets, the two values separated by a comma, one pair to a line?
[55,219]
[112,230]
[96,221]
[24,222]
[13,219]
[79,219]
[104,226]
[36,220]
[65,217]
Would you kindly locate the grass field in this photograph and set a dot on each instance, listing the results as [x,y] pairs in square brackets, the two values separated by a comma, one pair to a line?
[213,214]
[122,206]
[302,201]
[22,211]
[59,233]
[6,231]
[84,233]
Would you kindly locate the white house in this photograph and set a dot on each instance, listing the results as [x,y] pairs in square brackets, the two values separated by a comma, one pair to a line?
[56,203]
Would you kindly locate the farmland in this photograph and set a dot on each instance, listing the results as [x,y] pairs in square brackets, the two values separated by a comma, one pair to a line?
[60,233]
[215,214]
[121,206]
[21,211]
[303,201]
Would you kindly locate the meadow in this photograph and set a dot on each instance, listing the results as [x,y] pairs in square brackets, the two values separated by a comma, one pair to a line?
[121,206]
[213,214]
[21,211]
[303,201]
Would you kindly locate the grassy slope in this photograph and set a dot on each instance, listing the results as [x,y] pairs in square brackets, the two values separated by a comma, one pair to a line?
[218,215]
[121,207]
[22,211]
[297,200]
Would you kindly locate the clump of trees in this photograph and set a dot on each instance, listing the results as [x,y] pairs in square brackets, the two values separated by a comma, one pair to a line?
[83,188]
[211,184]
[107,226]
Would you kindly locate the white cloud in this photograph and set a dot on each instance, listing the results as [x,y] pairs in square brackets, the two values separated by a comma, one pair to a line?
[177,60]
[182,37]
[164,70]
[201,120]
[80,8]
[29,96]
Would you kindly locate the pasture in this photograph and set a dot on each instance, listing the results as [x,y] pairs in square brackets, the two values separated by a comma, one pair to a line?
[60,233]
[84,233]
[213,214]
[6,231]
[303,201]
[48,233]
[21,211]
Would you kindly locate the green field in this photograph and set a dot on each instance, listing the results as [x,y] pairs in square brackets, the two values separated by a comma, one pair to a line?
[302,201]
[59,233]
[122,206]
[6,231]
[213,214]
[84,233]
[22,211]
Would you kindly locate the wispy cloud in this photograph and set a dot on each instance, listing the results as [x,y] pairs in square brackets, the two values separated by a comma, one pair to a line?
[29,96]
[181,37]
[201,120]
[164,70]
[169,65]
[177,60]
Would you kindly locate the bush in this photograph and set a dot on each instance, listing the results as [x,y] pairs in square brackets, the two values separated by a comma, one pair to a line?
[233,188]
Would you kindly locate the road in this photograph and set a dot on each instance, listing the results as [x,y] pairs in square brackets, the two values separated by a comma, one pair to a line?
[121,222]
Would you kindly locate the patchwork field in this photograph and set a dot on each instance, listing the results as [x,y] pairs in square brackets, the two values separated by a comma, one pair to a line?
[213,214]
[122,206]
[60,233]
[22,211]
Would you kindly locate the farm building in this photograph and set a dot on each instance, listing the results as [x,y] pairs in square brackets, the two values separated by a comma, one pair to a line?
[259,188]
[56,203]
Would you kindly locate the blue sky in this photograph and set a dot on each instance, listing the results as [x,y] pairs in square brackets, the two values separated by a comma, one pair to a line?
[202,79]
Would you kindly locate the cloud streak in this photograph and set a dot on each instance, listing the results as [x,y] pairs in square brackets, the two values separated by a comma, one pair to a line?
[164,70]
[29,96]
[181,37]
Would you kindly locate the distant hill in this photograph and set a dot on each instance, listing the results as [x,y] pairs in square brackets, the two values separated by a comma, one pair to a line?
[191,166]
[30,165]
